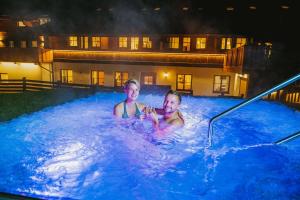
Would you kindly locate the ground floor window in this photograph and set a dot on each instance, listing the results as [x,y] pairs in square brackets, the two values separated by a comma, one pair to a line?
[120,78]
[97,78]
[66,76]
[184,82]
[148,78]
[221,84]
[3,76]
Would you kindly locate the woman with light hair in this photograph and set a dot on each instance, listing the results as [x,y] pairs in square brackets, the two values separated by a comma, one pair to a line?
[130,107]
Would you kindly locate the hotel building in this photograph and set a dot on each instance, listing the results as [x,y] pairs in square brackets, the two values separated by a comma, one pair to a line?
[199,64]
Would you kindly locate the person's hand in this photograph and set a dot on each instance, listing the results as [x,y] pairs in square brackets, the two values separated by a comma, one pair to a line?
[153,116]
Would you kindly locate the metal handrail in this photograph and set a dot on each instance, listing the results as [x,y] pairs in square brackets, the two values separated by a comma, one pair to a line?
[246,102]
[288,138]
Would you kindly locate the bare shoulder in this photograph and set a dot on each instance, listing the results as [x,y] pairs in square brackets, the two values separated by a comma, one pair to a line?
[178,122]
[118,109]
[119,105]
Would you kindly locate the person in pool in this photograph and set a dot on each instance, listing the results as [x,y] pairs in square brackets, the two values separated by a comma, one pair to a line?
[130,107]
[172,117]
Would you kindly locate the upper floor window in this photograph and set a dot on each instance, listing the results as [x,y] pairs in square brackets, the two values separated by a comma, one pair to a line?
[84,42]
[42,41]
[34,43]
[134,43]
[96,42]
[73,41]
[104,42]
[147,43]
[221,84]
[174,42]
[122,42]
[23,44]
[2,39]
[240,42]
[200,43]
[226,43]
[66,76]
[20,24]
[186,44]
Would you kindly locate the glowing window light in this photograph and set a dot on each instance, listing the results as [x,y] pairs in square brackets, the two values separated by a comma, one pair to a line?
[201,43]
[185,8]
[134,43]
[73,41]
[252,7]
[147,43]
[122,42]
[157,8]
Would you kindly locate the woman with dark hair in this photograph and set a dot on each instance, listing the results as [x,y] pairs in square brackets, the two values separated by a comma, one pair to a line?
[172,117]
[130,107]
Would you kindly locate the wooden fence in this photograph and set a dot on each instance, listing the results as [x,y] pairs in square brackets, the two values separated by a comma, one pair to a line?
[23,85]
[289,95]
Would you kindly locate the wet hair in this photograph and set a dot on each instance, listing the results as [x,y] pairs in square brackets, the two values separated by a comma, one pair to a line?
[133,81]
[174,92]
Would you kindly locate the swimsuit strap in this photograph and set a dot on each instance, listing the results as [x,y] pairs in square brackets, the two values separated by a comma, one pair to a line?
[125,114]
[137,111]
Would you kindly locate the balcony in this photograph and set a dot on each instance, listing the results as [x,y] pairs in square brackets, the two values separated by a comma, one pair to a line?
[140,58]
[246,58]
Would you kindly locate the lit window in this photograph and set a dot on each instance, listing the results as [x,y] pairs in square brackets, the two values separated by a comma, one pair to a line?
[186,44]
[120,78]
[147,44]
[134,43]
[3,76]
[184,82]
[174,42]
[84,42]
[66,76]
[34,43]
[221,84]
[23,44]
[201,43]
[73,41]
[20,24]
[148,80]
[11,44]
[104,42]
[240,42]
[97,78]
[226,43]
[96,42]
[123,42]
[42,41]
[2,39]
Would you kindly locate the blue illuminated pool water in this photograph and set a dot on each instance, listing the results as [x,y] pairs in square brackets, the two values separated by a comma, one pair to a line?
[77,150]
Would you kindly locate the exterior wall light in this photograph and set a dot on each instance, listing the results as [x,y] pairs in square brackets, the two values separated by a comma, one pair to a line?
[166,74]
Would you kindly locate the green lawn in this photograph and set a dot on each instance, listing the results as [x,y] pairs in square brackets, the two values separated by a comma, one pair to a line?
[16,104]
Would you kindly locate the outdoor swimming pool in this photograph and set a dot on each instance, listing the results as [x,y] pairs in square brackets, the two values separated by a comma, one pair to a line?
[77,150]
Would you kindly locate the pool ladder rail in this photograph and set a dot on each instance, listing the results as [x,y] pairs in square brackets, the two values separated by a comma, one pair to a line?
[248,101]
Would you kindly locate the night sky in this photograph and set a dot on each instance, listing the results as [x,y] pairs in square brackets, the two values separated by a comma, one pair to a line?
[268,21]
